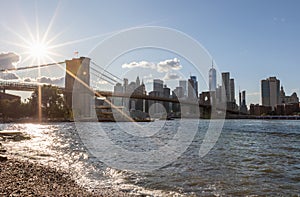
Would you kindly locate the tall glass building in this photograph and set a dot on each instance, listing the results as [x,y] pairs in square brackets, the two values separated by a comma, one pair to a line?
[193,87]
[212,79]
[270,92]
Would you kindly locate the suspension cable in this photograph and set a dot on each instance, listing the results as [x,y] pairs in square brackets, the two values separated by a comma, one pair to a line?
[101,77]
[105,70]
[31,67]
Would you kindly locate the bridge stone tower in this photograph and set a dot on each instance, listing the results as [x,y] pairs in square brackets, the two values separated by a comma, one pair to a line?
[77,83]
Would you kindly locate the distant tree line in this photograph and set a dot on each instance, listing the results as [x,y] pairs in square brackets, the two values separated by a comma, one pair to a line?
[52,104]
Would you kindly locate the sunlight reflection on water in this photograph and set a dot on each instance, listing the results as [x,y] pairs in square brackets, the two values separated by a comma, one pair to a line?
[250,157]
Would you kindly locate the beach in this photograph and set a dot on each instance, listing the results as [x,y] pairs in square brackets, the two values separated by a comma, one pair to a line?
[24,178]
[28,178]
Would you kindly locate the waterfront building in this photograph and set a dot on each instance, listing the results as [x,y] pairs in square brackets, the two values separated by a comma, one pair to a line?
[167,92]
[219,94]
[242,103]
[156,108]
[179,92]
[118,101]
[240,98]
[183,85]
[10,97]
[289,105]
[232,91]
[158,86]
[212,79]
[288,99]
[137,81]
[287,109]
[125,90]
[259,110]
[193,87]
[270,92]
[139,90]
[176,106]
[131,88]
[226,84]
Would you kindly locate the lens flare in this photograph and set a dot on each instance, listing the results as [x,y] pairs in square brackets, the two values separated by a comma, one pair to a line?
[38,50]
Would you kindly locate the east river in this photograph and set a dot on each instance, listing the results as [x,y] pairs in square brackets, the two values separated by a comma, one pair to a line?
[250,157]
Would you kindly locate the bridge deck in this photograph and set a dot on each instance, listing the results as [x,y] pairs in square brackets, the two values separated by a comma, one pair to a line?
[9,85]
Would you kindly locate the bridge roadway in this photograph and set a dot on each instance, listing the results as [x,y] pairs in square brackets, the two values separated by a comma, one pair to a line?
[164,99]
[148,97]
[18,86]
[10,85]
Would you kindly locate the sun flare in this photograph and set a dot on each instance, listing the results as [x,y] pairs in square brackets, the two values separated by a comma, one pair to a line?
[38,50]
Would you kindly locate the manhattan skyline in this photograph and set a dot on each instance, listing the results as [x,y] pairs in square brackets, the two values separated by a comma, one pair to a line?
[251,40]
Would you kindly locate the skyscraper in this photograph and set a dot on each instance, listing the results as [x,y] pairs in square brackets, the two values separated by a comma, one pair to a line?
[183,84]
[179,92]
[158,86]
[212,79]
[242,99]
[137,81]
[226,83]
[167,92]
[219,94]
[125,84]
[232,91]
[270,92]
[193,87]
[118,101]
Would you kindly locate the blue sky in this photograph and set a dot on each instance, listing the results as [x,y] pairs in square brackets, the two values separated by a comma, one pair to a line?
[251,39]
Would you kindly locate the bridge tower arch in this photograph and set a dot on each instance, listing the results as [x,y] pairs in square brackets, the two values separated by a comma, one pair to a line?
[78,74]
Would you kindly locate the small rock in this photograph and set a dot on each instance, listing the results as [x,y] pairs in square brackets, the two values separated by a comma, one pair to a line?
[3,158]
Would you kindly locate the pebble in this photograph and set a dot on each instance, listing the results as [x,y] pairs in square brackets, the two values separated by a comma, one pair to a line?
[24,178]
[3,158]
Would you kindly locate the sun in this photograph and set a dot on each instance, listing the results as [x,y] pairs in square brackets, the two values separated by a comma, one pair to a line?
[38,50]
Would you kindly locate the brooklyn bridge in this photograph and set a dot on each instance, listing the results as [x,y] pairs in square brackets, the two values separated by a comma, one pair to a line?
[78,72]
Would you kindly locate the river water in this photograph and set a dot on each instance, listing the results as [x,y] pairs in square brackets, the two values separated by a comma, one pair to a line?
[250,157]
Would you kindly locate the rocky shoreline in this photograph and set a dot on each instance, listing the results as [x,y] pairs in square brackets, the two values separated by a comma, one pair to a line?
[26,178]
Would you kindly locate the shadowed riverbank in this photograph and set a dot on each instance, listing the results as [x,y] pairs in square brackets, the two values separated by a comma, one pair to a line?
[29,178]
[24,178]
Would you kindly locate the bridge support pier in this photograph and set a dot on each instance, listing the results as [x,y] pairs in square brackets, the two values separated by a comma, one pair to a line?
[78,95]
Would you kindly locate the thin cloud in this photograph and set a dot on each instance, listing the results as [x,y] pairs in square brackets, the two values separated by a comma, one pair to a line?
[162,67]
[148,78]
[167,65]
[58,81]
[8,76]
[171,76]
[142,64]
[9,60]
[253,94]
